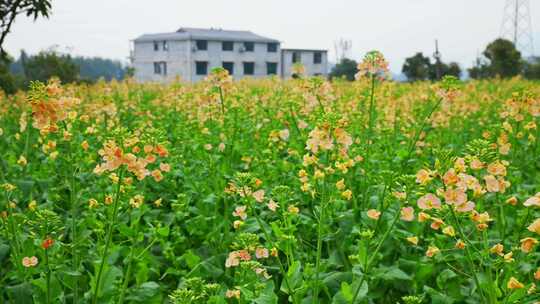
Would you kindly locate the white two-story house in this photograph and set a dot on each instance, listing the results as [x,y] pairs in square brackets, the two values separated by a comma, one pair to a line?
[191,53]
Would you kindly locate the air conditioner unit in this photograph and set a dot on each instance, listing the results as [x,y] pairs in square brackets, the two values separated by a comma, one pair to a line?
[194,48]
[242,49]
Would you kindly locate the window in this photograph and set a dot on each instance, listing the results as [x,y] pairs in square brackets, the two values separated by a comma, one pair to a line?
[201,67]
[202,45]
[271,68]
[317,57]
[296,57]
[227,46]
[229,66]
[249,68]
[249,46]
[156,46]
[165,46]
[272,47]
[160,68]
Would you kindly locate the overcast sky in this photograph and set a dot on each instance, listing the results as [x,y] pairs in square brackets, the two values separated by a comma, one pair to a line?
[398,28]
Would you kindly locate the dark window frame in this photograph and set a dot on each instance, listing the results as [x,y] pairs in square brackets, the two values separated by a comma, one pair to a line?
[202,45]
[229,44]
[199,66]
[271,68]
[165,45]
[296,57]
[272,47]
[156,46]
[246,67]
[229,69]
[160,68]
[249,46]
[317,57]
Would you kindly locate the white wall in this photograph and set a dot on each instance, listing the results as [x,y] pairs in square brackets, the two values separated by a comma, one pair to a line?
[306,59]
[215,57]
[182,55]
[176,58]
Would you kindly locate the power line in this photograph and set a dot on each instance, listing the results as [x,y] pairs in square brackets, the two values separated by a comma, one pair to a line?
[517,26]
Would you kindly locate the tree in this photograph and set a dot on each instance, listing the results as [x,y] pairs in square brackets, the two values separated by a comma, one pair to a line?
[531,69]
[94,68]
[47,64]
[345,68]
[451,69]
[7,80]
[504,60]
[10,9]
[480,70]
[417,67]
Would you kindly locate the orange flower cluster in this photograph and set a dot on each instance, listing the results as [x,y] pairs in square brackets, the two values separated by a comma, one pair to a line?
[50,107]
[374,64]
[114,157]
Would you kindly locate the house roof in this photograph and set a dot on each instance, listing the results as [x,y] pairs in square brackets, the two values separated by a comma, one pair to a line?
[188,33]
[304,50]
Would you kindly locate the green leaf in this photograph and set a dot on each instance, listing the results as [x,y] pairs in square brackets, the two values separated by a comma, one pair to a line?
[393,273]
[361,292]
[144,293]
[445,276]
[4,252]
[163,231]
[437,297]
[21,294]
[346,291]
[191,259]
[294,277]
[267,296]
[517,295]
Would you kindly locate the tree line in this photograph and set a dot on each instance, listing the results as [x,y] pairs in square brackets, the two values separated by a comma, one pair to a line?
[500,59]
[17,74]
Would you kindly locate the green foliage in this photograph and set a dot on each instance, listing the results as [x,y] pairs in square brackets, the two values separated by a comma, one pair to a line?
[194,291]
[48,64]
[28,68]
[94,68]
[344,69]
[417,67]
[420,67]
[503,60]
[292,192]
[7,80]
[531,68]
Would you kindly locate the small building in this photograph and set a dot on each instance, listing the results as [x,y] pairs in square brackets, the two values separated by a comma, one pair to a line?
[191,53]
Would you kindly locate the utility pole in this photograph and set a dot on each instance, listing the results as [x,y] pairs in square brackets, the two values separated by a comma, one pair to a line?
[437,56]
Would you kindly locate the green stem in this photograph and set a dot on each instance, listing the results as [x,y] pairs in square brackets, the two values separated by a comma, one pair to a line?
[48,277]
[371,117]
[369,137]
[467,251]
[127,276]
[281,268]
[112,222]
[374,255]
[318,257]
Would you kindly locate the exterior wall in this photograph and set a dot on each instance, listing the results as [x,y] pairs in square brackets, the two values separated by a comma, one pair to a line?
[182,55]
[215,57]
[306,59]
[176,58]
